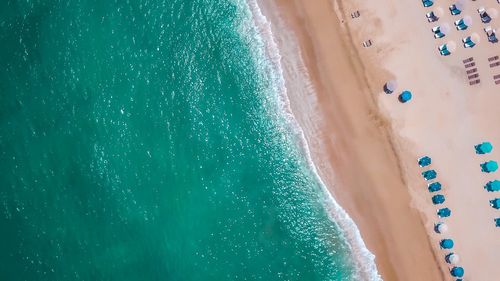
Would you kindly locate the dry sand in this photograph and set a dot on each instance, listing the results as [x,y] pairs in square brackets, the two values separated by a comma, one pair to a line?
[365,143]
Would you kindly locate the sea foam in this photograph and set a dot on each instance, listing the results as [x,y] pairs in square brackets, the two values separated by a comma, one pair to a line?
[363,259]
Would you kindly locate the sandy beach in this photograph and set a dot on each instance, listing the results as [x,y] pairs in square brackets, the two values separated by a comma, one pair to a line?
[366,143]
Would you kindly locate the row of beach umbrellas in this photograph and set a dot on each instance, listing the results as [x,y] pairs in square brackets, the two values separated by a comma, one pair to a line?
[490,167]
[440,227]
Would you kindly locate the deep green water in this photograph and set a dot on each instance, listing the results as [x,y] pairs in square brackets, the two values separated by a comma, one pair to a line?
[142,140]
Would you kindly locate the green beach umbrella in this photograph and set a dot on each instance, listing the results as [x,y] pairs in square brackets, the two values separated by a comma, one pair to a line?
[424,161]
[495,203]
[484,148]
[490,166]
[493,186]
[438,199]
[429,174]
[435,186]
[446,243]
[444,212]
[457,271]
[405,96]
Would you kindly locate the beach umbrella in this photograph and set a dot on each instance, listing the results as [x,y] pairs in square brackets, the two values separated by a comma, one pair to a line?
[435,186]
[475,38]
[441,228]
[429,174]
[445,28]
[457,271]
[452,46]
[468,20]
[492,12]
[484,148]
[460,4]
[489,166]
[391,86]
[492,186]
[424,161]
[497,222]
[439,12]
[438,199]
[444,212]
[405,96]
[446,243]
[452,258]
[495,203]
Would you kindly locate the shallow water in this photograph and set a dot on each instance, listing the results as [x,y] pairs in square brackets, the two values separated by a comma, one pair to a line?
[142,140]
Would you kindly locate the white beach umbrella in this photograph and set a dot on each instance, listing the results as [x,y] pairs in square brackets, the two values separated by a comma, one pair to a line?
[452,46]
[445,28]
[454,259]
[439,12]
[492,12]
[475,38]
[468,20]
[442,228]
[391,85]
[460,4]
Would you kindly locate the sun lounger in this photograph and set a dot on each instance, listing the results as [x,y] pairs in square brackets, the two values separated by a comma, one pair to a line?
[454,10]
[470,65]
[460,24]
[474,82]
[470,71]
[495,64]
[493,58]
[497,82]
[473,76]
[467,60]
[496,76]
[491,34]
[431,17]
[427,3]
[468,43]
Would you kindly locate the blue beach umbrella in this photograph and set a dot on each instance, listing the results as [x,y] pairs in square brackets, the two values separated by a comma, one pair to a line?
[438,199]
[484,148]
[490,166]
[429,174]
[435,186]
[444,212]
[495,203]
[492,186]
[405,96]
[424,161]
[446,243]
[497,222]
[457,271]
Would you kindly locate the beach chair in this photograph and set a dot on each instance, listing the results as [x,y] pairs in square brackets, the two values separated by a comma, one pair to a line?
[427,3]
[491,34]
[431,17]
[437,32]
[460,24]
[485,18]
[468,43]
[443,50]
[454,10]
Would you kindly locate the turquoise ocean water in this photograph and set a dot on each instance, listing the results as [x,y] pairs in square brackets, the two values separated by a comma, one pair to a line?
[142,140]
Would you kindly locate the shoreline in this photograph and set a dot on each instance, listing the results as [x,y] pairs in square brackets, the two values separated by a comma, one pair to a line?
[363,258]
[332,129]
